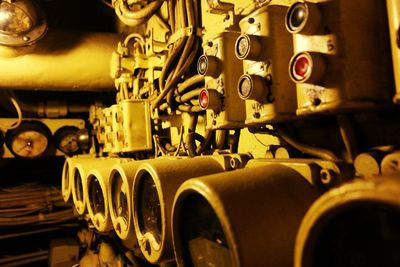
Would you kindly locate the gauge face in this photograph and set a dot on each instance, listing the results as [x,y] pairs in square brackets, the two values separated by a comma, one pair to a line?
[29,144]
[119,197]
[29,141]
[149,208]
[66,139]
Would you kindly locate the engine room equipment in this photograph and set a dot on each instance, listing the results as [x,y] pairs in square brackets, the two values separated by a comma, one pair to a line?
[66,139]
[328,41]
[30,140]
[34,138]
[81,169]
[154,187]
[68,176]
[246,217]
[126,127]
[393,8]
[97,198]
[224,107]
[335,226]
[265,48]
[120,198]
[156,105]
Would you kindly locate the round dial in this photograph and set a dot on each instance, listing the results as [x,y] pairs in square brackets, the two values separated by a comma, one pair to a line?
[66,139]
[30,140]
[149,209]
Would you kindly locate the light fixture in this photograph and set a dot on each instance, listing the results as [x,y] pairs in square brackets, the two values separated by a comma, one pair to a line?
[21,23]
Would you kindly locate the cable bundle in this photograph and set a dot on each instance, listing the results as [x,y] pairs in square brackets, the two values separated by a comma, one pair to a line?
[33,204]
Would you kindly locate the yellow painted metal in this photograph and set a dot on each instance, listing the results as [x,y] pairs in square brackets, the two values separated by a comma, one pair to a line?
[321,173]
[136,125]
[68,175]
[97,181]
[229,109]
[393,7]
[80,172]
[347,218]
[167,174]
[124,127]
[52,124]
[121,182]
[355,69]
[272,95]
[259,209]
[83,56]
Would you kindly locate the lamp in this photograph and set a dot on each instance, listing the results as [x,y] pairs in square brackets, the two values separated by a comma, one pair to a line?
[21,23]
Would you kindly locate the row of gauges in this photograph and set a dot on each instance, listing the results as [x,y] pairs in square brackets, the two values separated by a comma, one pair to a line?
[33,139]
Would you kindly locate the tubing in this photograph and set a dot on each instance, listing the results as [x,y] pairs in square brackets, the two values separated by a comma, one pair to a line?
[84,58]
[355,224]
[247,217]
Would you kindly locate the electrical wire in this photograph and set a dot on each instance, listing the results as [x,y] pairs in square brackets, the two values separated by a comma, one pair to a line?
[135,17]
[19,119]
[188,96]
[33,204]
[186,48]
[189,82]
[307,149]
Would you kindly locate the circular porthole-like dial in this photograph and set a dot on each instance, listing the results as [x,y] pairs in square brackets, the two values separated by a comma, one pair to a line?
[66,140]
[29,141]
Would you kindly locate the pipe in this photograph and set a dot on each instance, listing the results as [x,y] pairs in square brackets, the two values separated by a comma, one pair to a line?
[246,217]
[67,61]
[356,224]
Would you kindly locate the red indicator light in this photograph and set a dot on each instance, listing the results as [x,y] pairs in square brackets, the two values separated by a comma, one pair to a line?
[203,99]
[301,67]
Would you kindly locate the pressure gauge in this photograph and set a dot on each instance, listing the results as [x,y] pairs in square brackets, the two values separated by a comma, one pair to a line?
[149,210]
[29,141]
[66,139]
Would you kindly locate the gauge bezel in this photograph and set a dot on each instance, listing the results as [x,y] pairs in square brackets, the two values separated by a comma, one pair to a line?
[61,133]
[29,125]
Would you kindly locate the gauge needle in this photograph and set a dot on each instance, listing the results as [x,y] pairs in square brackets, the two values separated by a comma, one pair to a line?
[29,143]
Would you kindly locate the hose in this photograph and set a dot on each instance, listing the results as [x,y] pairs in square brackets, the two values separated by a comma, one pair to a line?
[207,139]
[189,95]
[190,109]
[189,82]
[19,113]
[313,151]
